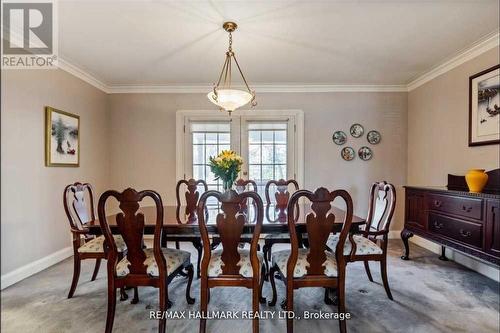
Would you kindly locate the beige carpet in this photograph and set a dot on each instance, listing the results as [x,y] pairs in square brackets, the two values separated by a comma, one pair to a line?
[429,296]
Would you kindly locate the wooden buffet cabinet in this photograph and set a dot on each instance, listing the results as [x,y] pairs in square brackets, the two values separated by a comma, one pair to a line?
[454,218]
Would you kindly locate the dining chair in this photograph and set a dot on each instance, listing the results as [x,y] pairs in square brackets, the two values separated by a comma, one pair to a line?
[314,266]
[154,267]
[279,210]
[380,212]
[78,202]
[191,197]
[230,265]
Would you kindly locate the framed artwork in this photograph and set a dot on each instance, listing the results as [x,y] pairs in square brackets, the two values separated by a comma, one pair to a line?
[484,107]
[62,138]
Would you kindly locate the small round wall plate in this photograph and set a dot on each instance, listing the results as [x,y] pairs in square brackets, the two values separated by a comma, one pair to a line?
[347,153]
[357,130]
[365,153]
[339,137]
[373,137]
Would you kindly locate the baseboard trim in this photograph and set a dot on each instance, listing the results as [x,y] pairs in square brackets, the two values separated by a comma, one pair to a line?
[479,266]
[34,267]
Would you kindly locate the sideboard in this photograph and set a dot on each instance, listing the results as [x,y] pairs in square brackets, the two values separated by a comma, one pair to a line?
[454,218]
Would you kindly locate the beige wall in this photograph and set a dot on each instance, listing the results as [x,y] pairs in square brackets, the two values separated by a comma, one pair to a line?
[438,126]
[143,143]
[33,220]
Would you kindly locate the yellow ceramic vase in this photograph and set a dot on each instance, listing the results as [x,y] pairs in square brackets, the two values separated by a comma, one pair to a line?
[476,180]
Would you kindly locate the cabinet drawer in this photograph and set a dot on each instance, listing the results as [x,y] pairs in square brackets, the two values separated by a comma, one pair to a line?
[467,207]
[463,231]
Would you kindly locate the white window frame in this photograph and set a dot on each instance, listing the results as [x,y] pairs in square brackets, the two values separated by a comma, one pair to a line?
[183,117]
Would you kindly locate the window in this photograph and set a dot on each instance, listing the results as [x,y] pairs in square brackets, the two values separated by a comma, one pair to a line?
[270,142]
[267,152]
[208,139]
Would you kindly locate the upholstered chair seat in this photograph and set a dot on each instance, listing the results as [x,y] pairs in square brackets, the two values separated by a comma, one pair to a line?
[280,259]
[96,245]
[364,246]
[174,258]
[215,264]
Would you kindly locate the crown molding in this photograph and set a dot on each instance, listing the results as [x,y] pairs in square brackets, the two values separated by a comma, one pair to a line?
[268,88]
[486,43]
[76,71]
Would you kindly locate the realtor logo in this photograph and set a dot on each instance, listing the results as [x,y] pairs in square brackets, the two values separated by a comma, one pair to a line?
[28,35]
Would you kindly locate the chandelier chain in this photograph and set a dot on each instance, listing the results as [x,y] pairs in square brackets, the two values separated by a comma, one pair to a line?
[230,42]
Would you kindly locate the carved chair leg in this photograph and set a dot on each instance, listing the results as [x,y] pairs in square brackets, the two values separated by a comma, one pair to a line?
[190,273]
[96,269]
[135,300]
[341,303]
[163,307]
[265,250]
[199,249]
[76,274]
[110,317]
[273,286]
[405,234]
[262,299]
[289,307]
[327,299]
[255,305]
[383,270]
[123,294]
[203,304]
[367,269]
[163,241]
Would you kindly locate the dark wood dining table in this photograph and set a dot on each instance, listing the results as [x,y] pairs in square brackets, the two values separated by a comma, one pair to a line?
[269,226]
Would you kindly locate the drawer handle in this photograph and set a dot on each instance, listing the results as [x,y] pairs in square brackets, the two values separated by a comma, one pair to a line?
[467,209]
[438,225]
[437,203]
[464,233]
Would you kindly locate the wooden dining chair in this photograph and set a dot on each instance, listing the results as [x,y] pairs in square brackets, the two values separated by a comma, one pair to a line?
[154,267]
[380,212]
[191,197]
[314,266]
[279,207]
[78,202]
[230,265]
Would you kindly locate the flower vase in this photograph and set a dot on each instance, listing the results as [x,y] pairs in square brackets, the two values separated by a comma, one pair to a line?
[227,184]
[476,180]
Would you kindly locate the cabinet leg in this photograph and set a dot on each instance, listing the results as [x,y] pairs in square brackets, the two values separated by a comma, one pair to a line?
[405,234]
[443,254]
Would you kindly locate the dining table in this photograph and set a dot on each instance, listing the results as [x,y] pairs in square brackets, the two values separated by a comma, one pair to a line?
[275,222]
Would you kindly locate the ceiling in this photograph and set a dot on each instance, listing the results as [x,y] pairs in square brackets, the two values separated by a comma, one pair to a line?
[277,42]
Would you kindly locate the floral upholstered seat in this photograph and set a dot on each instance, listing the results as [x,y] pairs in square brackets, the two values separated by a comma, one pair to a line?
[96,245]
[215,264]
[174,258]
[364,246]
[280,259]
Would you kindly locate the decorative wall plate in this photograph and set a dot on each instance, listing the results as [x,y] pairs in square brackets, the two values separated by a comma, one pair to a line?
[365,153]
[373,137]
[357,130]
[347,153]
[339,137]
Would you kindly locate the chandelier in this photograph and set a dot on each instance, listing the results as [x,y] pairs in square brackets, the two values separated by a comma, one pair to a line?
[222,95]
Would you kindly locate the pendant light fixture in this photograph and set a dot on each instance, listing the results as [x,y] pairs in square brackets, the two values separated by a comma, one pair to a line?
[225,97]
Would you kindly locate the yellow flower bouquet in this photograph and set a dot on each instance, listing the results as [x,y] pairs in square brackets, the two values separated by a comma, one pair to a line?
[226,167]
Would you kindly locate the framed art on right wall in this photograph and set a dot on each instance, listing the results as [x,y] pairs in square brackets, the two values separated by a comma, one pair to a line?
[484,107]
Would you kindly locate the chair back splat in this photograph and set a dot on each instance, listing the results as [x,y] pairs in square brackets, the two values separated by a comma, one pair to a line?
[319,225]
[230,226]
[281,197]
[131,226]
[191,196]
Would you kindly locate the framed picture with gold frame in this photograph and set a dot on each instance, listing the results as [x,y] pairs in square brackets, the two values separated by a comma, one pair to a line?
[62,138]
